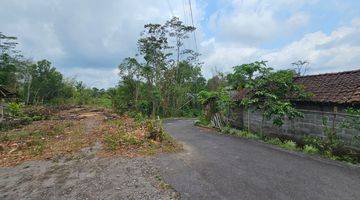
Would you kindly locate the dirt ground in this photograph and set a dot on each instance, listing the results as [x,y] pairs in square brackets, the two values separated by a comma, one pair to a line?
[90,178]
[83,174]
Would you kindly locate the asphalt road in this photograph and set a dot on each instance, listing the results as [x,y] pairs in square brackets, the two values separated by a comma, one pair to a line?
[214,166]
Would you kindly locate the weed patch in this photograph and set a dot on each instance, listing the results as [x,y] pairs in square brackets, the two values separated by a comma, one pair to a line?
[289,145]
[133,137]
[308,149]
[331,148]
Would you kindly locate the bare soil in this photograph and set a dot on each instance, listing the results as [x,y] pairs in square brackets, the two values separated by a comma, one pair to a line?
[71,165]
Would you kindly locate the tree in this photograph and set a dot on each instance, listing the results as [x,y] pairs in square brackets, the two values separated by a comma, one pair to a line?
[46,82]
[9,62]
[8,44]
[301,67]
[153,79]
[268,91]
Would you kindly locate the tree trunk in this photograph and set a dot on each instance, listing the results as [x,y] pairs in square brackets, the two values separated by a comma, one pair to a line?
[28,92]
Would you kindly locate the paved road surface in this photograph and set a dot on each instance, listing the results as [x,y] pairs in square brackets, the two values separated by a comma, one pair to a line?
[223,167]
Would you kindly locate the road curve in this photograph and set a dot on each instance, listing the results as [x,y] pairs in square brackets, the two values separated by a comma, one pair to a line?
[214,166]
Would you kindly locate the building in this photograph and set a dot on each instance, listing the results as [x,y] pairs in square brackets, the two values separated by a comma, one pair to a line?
[331,93]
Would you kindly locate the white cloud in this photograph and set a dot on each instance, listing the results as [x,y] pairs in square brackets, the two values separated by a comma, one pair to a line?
[88,38]
[93,77]
[254,22]
[83,33]
[297,20]
[337,51]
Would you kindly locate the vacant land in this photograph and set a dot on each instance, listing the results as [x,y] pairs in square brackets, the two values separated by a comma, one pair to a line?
[83,153]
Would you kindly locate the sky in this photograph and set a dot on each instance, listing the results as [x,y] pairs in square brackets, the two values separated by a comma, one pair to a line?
[87,39]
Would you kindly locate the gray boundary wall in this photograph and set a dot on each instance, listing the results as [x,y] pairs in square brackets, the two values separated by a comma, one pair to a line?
[310,124]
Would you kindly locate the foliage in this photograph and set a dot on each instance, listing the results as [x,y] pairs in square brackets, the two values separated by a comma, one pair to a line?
[301,67]
[215,102]
[14,109]
[268,91]
[274,141]
[145,136]
[155,130]
[289,145]
[310,149]
[165,78]
[332,141]
[352,120]
[202,121]
[9,62]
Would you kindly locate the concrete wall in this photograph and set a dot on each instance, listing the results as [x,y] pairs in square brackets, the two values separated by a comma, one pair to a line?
[310,124]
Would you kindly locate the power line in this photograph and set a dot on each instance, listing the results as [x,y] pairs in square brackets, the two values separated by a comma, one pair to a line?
[192,22]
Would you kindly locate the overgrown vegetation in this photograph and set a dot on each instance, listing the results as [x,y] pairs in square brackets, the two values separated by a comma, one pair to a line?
[130,137]
[42,140]
[164,79]
[330,148]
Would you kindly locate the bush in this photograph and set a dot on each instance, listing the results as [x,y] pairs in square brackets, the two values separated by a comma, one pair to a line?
[201,122]
[38,118]
[112,141]
[289,145]
[252,136]
[38,112]
[155,130]
[14,109]
[274,141]
[310,149]
[233,131]
[314,141]
[26,120]
[225,130]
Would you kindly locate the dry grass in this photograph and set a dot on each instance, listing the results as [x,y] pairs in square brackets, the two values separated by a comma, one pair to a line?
[72,130]
[126,137]
[42,140]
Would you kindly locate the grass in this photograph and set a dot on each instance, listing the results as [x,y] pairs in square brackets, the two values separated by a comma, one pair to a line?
[42,140]
[289,145]
[310,145]
[135,138]
[309,149]
[66,136]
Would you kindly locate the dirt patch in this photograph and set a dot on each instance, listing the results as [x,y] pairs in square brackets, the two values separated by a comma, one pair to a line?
[66,158]
[95,178]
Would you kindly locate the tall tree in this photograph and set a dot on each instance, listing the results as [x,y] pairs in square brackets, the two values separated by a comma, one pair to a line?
[169,81]
[268,91]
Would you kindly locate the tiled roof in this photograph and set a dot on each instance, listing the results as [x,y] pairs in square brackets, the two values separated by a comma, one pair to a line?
[4,93]
[341,87]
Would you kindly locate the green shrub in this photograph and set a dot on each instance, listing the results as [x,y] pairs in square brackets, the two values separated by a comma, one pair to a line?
[37,146]
[130,139]
[225,129]
[14,109]
[273,141]
[289,145]
[38,118]
[310,149]
[201,121]
[26,120]
[252,136]
[112,141]
[242,133]
[233,131]
[155,130]
[314,141]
